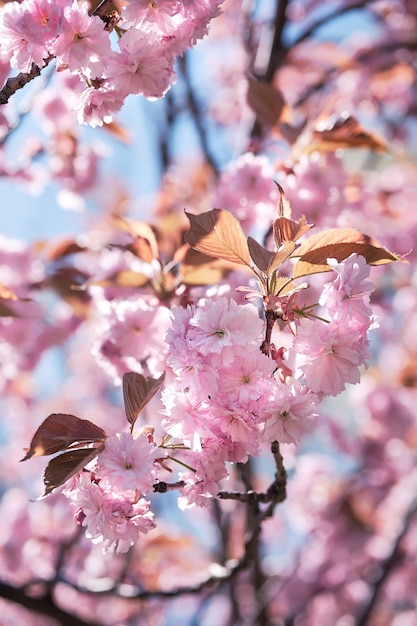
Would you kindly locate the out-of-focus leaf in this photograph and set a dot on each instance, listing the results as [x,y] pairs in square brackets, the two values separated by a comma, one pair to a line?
[218,234]
[137,392]
[266,101]
[207,274]
[123,278]
[196,268]
[343,131]
[68,282]
[61,430]
[66,465]
[146,245]
[117,130]
[63,248]
[338,243]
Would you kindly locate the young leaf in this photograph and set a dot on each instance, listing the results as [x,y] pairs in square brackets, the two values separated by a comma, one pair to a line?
[266,101]
[266,260]
[288,230]
[59,431]
[62,248]
[338,243]
[63,467]
[145,246]
[284,207]
[196,268]
[137,392]
[343,131]
[218,234]
[261,256]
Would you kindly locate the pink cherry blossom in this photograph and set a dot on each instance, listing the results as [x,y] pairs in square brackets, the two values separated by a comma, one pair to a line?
[237,423]
[127,463]
[158,13]
[131,332]
[97,106]
[111,519]
[27,29]
[144,65]
[246,189]
[291,414]
[186,416]
[348,294]
[329,355]
[83,43]
[221,325]
[248,378]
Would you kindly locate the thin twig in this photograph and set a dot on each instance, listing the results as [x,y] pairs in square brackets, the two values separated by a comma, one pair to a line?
[195,110]
[386,568]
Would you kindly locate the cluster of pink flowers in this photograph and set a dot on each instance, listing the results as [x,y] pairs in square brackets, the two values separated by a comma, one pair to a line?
[150,37]
[129,336]
[109,502]
[223,398]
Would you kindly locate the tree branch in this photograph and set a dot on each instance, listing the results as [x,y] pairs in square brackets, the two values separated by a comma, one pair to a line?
[277,48]
[341,10]
[15,83]
[44,605]
[195,111]
[386,567]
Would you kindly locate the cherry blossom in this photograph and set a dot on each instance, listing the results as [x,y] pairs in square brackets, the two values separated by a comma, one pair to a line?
[126,464]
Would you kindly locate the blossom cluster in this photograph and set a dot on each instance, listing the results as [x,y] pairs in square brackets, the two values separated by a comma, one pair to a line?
[139,60]
[225,397]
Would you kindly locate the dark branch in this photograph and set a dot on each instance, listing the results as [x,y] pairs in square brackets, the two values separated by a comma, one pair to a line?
[277,49]
[386,567]
[195,110]
[326,19]
[44,605]
[15,83]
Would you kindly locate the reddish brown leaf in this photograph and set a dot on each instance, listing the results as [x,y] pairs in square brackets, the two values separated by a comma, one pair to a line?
[128,278]
[284,207]
[218,234]
[66,465]
[137,392]
[266,101]
[146,245]
[266,260]
[261,256]
[69,282]
[207,274]
[338,243]
[118,131]
[59,431]
[288,230]
[63,248]
[343,131]
[285,251]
